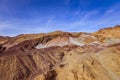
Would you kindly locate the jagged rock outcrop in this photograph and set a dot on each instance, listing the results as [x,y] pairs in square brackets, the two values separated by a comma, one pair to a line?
[61,56]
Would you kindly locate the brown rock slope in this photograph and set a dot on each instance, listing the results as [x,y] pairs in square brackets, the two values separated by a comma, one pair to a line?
[61,56]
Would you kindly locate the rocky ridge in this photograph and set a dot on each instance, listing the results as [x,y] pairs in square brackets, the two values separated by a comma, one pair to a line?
[61,56]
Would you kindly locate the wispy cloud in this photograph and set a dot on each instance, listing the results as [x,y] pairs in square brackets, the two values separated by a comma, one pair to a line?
[78,20]
[94,20]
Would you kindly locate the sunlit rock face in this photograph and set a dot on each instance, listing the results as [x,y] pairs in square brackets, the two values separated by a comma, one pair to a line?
[61,56]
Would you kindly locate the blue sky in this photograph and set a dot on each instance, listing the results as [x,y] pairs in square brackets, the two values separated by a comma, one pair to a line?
[36,16]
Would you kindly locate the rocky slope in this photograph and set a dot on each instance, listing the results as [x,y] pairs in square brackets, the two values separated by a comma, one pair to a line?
[61,56]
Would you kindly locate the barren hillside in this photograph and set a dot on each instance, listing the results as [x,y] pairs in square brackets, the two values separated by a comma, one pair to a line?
[61,56]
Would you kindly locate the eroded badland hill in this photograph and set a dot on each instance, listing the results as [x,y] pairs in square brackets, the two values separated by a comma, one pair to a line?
[61,56]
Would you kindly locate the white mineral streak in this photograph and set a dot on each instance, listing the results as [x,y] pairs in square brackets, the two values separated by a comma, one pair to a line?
[70,41]
[78,42]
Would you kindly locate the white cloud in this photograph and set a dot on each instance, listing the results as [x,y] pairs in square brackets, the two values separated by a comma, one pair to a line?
[94,20]
[89,21]
[6,25]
